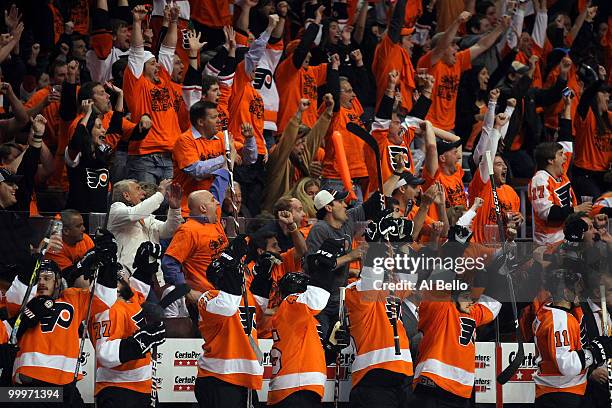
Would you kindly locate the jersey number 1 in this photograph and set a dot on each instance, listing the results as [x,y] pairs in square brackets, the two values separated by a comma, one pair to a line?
[558,339]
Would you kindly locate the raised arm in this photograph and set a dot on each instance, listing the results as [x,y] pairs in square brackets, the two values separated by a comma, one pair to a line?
[489,39]
[136,55]
[448,37]
[431,150]
[166,51]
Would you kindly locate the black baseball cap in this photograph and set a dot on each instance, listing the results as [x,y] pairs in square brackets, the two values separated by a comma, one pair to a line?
[8,176]
[407,178]
[444,146]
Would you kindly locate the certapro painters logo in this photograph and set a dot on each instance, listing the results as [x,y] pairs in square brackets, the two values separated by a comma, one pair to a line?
[526,370]
[186,358]
[184,383]
[482,361]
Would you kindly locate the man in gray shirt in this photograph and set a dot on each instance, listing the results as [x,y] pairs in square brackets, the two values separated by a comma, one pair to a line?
[339,224]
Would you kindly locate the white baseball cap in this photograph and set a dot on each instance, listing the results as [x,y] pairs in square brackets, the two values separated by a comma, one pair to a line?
[325,197]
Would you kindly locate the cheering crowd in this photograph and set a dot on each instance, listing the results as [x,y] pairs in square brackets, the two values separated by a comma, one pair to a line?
[346,133]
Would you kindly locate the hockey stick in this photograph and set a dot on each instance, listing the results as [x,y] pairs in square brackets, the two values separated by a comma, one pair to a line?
[371,142]
[338,356]
[606,332]
[53,226]
[514,365]
[247,312]
[153,314]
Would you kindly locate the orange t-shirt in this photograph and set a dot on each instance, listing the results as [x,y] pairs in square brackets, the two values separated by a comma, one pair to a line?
[157,101]
[444,92]
[71,253]
[187,151]
[212,13]
[353,146]
[388,57]
[294,84]
[592,151]
[508,201]
[51,113]
[195,245]
[453,186]
[246,106]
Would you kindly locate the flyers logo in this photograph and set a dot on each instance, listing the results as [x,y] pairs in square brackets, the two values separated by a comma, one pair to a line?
[161,100]
[243,317]
[61,316]
[564,195]
[256,107]
[309,89]
[455,196]
[447,87]
[96,177]
[222,121]
[217,245]
[263,77]
[394,150]
[139,319]
[355,119]
[468,330]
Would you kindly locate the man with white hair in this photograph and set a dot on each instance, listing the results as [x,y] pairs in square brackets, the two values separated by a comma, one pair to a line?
[131,221]
[148,90]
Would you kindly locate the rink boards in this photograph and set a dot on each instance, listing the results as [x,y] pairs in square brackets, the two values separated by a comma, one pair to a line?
[177,371]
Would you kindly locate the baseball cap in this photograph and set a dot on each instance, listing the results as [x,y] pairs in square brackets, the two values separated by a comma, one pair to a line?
[407,178]
[8,176]
[325,197]
[148,55]
[444,146]
[519,68]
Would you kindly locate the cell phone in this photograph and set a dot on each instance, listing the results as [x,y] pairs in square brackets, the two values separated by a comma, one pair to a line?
[567,92]
[57,88]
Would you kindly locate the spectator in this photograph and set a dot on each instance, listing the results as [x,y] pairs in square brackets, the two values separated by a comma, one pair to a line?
[76,243]
[305,191]
[201,151]
[147,89]
[199,241]
[295,151]
[281,229]
[130,217]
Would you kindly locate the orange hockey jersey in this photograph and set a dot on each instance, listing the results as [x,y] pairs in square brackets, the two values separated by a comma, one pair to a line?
[49,351]
[298,360]
[447,351]
[557,340]
[544,192]
[227,354]
[367,313]
[122,320]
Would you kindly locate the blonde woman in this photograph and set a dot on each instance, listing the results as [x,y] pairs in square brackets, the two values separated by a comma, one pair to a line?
[305,190]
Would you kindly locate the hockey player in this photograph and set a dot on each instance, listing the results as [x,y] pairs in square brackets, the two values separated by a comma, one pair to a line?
[445,369]
[49,345]
[299,371]
[228,369]
[562,362]
[123,338]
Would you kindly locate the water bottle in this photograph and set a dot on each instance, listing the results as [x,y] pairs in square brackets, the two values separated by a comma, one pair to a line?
[55,228]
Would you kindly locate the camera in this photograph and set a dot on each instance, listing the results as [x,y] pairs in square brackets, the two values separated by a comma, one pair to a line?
[567,92]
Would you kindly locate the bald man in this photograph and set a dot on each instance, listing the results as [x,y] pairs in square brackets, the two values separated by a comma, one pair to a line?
[199,241]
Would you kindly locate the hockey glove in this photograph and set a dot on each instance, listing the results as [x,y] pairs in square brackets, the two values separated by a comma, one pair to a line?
[8,352]
[38,308]
[262,282]
[108,273]
[145,264]
[601,349]
[138,345]
[105,246]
